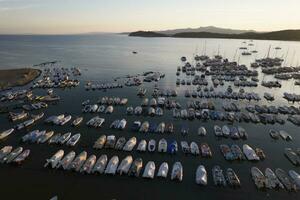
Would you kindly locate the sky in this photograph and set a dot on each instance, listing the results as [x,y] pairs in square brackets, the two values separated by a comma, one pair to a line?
[85,16]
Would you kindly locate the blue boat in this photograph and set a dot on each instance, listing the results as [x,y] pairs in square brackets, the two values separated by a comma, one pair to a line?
[172,147]
[152,127]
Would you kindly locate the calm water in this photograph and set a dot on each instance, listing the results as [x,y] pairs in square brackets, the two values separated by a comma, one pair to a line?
[104,57]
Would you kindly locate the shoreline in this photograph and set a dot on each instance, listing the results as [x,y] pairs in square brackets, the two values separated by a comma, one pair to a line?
[17,77]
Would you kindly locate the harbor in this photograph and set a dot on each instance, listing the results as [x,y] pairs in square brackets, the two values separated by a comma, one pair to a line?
[205,122]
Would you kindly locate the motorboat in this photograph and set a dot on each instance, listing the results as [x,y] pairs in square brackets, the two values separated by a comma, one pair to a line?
[64,138]
[136,125]
[295,177]
[142,146]
[12,155]
[110,142]
[284,135]
[136,167]
[232,179]
[88,165]
[149,170]
[205,150]
[65,120]
[285,180]
[74,140]
[78,161]
[77,121]
[43,138]
[218,131]
[194,148]
[55,159]
[260,153]
[177,171]
[226,151]
[151,145]
[162,146]
[144,127]
[258,178]
[5,151]
[292,156]
[250,153]
[138,110]
[109,110]
[237,152]
[172,147]
[112,165]
[100,165]
[161,128]
[21,157]
[66,161]
[130,144]
[201,175]
[202,131]
[99,144]
[54,139]
[163,170]
[6,133]
[218,176]
[122,124]
[125,165]
[274,134]
[225,131]
[120,143]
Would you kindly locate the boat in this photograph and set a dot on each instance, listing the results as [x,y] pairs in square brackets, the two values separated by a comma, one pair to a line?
[138,110]
[73,140]
[99,144]
[57,119]
[172,147]
[21,157]
[54,139]
[202,131]
[66,161]
[77,121]
[169,128]
[130,144]
[258,178]
[149,170]
[151,145]
[232,179]
[163,170]
[250,153]
[88,165]
[295,177]
[177,171]
[162,146]
[12,155]
[64,138]
[144,127]
[125,165]
[194,148]
[100,165]
[65,120]
[110,142]
[55,159]
[285,180]
[136,126]
[109,110]
[145,102]
[38,116]
[161,128]
[225,131]
[129,110]
[272,181]
[292,156]
[43,138]
[112,165]
[274,134]
[151,112]
[153,102]
[17,116]
[78,161]
[226,151]
[5,151]
[6,133]
[284,135]
[218,131]
[260,153]
[136,167]
[201,175]
[120,143]
[205,150]
[237,152]
[122,124]
[184,130]
[218,176]
[142,146]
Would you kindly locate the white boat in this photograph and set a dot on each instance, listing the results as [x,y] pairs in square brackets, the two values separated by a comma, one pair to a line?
[66,161]
[218,131]
[201,131]
[226,131]
[284,135]
[74,140]
[77,121]
[122,124]
[65,120]
[88,165]
[194,148]
[43,138]
[64,138]
[142,146]
[201,175]
[6,133]
[54,139]
[10,157]
[144,127]
[94,108]
[258,178]
[112,165]
[21,157]
[57,119]
[130,144]
[78,161]
[100,165]
[162,145]
[250,153]
[177,171]
[163,170]
[272,181]
[55,159]
[5,151]
[149,170]
[109,110]
[125,165]
[296,177]
[161,128]
[110,142]
[151,145]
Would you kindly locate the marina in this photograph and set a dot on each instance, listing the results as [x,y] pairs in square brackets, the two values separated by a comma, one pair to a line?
[198,124]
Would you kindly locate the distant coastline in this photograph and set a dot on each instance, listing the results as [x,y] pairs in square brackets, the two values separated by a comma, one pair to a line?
[285,35]
[17,77]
